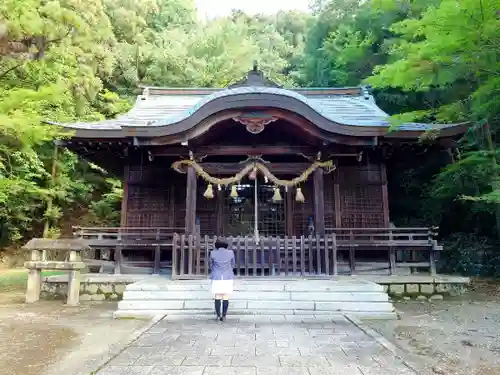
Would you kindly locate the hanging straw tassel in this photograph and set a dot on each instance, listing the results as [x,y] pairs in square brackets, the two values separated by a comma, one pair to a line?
[253,175]
[234,192]
[209,193]
[299,197]
[277,195]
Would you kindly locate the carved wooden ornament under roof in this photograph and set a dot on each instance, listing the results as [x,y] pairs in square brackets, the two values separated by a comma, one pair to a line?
[255,122]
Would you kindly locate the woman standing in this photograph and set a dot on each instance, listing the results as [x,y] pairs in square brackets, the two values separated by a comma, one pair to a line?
[222,276]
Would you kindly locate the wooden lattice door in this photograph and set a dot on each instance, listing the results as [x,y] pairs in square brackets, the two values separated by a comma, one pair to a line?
[239,212]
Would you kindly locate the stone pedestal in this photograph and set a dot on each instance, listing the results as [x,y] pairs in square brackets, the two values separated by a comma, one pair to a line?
[73,288]
[34,285]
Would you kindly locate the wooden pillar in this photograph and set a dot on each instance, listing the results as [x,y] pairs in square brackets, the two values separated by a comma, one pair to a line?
[338,212]
[319,202]
[385,196]
[124,207]
[190,223]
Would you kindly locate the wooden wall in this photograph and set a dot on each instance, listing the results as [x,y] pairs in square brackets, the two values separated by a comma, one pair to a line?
[362,196]
[156,197]
[355,197]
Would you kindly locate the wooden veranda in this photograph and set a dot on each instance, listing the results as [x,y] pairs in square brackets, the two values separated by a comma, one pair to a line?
[187,256]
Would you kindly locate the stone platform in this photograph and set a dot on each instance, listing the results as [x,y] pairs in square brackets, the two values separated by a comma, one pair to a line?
[100,287]
[257,345]
[360,298]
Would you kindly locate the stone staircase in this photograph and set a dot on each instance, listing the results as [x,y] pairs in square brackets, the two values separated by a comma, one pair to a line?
[264,296]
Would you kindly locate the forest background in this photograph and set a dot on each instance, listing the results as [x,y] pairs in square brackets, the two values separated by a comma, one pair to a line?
[427,60]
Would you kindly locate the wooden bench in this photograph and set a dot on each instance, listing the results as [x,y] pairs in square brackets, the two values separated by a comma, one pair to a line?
[38,262]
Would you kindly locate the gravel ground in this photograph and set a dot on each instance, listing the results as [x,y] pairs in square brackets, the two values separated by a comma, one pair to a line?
[48,338]
[460,336]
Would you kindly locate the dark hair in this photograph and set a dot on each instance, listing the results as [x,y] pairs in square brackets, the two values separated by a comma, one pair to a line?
[221,244]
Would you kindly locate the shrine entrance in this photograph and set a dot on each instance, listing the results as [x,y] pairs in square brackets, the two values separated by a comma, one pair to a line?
[254,200]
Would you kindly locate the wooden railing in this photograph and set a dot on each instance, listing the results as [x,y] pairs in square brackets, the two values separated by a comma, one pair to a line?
[272,256]
[153,239]
[408,242]
[305,255]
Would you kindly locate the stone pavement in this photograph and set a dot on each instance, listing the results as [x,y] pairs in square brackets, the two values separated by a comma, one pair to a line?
[255,345]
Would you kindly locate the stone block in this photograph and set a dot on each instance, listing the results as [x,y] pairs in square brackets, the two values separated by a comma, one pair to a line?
[85,297]
[427,289]
[355,306]
[209,305]
[338,296]
[126,370]
[98,297]
[422,298]
[397,289]
[457,289]
[178,370]
[436,297]
[225,370]
[91,288]
[412,288]
[255,360]
[210,360]
[150,305]
[165,295]
[113,297]
[259,295]
[443,288]
[280,305]
[106,288]
[119,288]
[333,286]
[303,361]
[386,288]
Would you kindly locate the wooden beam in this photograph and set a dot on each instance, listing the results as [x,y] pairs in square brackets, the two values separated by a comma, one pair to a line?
[233,168]
[385,195]
[338,212]
[191,200]
[124,207]
[319,202]
[235,150]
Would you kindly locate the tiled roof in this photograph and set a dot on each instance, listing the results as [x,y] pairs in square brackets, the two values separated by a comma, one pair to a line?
[163,107]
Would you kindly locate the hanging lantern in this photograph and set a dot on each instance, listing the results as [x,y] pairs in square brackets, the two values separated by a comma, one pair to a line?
[234,192]
[277,195]
[253,174]
[299,197]
[209,193]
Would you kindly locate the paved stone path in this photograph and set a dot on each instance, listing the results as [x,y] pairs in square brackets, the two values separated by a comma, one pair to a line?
[254,345]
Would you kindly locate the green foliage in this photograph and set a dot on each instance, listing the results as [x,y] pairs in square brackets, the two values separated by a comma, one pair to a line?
[428,60]
[68,61]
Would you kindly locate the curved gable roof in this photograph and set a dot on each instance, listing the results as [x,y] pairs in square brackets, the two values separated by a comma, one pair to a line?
[164,111]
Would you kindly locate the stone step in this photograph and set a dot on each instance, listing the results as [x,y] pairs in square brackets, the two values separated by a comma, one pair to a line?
[260,296]
[259,305]
[269,315]
[263,296]
[260,285]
